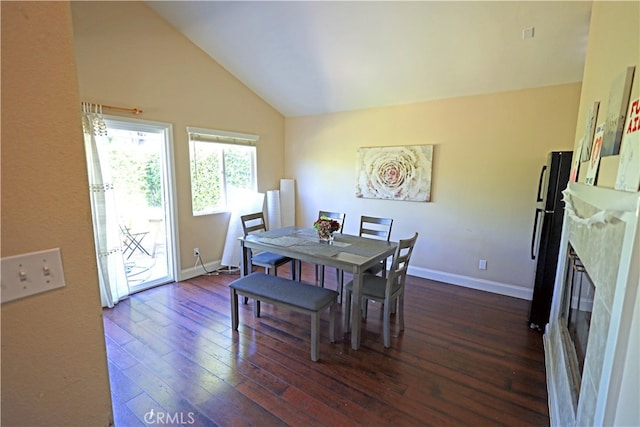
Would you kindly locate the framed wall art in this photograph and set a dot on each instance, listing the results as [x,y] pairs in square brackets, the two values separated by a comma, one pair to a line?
[616,112]
[577,158]
[628,178]
[594,161]
[589,130]
[394,173]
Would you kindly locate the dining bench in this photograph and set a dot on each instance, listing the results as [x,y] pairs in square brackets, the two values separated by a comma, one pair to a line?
[287,293]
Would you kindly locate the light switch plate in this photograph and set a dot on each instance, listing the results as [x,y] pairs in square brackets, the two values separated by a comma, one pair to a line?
[29,274]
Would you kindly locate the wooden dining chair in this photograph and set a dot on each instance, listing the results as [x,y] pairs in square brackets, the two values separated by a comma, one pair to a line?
[386,290]
[340,217]
[377,228]
[372,227]
[255,223]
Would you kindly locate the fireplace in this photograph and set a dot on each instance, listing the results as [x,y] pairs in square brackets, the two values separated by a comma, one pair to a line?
[593,304]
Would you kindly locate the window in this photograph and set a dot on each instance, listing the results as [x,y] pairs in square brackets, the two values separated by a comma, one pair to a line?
[223,169]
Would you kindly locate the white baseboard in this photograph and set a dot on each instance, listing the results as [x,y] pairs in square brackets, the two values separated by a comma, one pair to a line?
[425,273]
[197,270]
[472,282]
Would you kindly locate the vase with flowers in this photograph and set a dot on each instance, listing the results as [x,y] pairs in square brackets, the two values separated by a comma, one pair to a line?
[325,227]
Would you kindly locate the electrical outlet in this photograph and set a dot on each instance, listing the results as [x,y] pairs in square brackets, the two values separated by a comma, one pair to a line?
[482,265]
[196,252]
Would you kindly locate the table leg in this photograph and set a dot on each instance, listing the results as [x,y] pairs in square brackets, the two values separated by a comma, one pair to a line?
[355,308]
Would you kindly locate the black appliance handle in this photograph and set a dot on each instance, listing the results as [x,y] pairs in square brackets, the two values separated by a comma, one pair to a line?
[535,229]
[539,198]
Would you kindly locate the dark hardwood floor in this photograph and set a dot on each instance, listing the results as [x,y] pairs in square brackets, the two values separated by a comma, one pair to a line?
[466,358]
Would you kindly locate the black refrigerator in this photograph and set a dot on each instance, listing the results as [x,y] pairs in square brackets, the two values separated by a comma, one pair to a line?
[547,229]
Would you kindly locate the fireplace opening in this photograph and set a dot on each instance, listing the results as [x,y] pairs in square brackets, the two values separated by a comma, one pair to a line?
[575,317]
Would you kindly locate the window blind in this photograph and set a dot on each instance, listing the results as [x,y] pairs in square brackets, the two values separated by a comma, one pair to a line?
[222,137]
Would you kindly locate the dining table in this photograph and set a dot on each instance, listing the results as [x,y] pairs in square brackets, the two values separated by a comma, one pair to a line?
[346,252]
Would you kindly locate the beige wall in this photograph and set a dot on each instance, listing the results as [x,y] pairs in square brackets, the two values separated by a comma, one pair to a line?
[488,154]
[614,44]
[54,368]
[128,56]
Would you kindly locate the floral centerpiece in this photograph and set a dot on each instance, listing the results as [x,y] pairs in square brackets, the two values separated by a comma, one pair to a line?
[326,227]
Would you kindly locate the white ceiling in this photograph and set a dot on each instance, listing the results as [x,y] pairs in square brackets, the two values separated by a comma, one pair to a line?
[314,57]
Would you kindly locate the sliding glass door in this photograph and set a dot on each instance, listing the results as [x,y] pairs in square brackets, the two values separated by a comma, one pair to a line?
[140,157]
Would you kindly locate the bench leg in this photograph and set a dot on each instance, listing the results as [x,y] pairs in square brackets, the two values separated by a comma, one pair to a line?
[315,336]
[256,308]
[234,309]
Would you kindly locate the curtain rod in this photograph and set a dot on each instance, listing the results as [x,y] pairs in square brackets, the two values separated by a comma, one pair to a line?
[135,111]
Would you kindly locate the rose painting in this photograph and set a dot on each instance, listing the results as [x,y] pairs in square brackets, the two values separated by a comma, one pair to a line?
[394,173]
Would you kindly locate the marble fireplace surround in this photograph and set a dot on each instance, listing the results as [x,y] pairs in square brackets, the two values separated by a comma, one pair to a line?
[602,226]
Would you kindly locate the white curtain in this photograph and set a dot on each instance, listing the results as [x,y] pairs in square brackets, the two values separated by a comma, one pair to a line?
[111,272]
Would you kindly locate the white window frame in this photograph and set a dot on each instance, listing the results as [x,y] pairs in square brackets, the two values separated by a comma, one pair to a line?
[224,139]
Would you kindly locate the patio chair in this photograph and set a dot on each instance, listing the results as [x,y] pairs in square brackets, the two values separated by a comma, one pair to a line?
[132,242]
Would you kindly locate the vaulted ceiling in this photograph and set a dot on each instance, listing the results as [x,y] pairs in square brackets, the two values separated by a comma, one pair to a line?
[315,57]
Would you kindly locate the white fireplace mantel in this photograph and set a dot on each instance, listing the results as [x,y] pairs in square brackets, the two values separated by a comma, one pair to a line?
[602,226]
